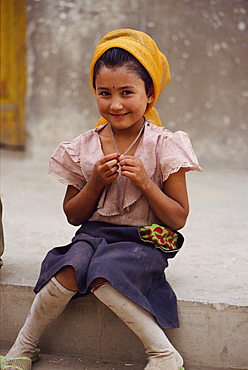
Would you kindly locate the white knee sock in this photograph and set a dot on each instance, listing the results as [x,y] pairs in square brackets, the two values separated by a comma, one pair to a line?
[47,306]
[161,354]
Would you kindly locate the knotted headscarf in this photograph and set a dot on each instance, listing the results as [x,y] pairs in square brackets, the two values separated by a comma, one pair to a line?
[145,50]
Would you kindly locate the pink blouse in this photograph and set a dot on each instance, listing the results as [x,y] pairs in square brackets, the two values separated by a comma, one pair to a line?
[162,153]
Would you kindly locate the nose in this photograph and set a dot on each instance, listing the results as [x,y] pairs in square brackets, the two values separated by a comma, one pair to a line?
[116,104]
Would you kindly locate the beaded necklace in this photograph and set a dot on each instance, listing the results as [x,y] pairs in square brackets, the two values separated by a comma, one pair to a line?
[131,145]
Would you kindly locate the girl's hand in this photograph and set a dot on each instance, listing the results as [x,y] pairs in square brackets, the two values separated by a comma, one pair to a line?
[169,204]
[105,170]
[133,168]
[79,205]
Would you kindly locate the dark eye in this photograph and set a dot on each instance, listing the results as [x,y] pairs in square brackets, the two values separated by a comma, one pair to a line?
[104,93]
[127,92]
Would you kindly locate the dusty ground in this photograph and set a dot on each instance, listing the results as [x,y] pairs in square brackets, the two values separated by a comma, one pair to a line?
[76,363]
[51,362]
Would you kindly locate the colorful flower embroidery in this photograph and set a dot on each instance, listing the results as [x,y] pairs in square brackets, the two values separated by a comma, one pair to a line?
[163,238]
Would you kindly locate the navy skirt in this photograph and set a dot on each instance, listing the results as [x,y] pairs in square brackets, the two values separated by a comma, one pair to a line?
[134,267]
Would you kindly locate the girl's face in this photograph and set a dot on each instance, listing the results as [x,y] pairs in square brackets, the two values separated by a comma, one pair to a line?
[121,97]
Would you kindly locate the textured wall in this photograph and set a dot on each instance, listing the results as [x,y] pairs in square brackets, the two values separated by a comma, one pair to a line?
[206,42]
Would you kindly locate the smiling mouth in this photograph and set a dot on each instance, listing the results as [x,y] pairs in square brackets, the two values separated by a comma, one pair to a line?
[119,115]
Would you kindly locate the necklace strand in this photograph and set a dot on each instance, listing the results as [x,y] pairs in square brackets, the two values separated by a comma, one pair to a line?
[131,145]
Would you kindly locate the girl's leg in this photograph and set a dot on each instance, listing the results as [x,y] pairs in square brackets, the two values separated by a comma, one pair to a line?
[47,306]
[67,278]
[161,354]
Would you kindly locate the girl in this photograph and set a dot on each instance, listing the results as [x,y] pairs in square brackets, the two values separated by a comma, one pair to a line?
[125,181]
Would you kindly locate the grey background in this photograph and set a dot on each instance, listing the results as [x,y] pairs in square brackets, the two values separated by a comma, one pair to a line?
[205,41]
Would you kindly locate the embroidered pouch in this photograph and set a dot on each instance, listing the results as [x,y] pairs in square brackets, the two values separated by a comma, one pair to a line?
[163,237]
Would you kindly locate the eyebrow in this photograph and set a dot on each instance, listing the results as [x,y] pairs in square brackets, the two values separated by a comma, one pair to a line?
[120,88]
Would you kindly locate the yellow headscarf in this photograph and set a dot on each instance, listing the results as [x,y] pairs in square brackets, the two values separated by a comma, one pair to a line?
[145,50]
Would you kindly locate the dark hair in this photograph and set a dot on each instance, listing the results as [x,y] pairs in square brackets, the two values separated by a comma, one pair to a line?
[118,57]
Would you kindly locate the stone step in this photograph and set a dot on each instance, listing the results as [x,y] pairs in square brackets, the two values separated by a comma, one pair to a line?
[211,336]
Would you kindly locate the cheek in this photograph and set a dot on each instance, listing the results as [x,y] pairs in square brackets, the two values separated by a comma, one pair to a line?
[142,105]
[137,104]
[101,105]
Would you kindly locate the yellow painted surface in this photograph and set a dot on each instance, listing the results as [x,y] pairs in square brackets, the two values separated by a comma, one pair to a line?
[13,72]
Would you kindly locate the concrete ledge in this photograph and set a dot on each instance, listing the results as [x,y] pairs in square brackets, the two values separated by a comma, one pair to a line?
[212,335]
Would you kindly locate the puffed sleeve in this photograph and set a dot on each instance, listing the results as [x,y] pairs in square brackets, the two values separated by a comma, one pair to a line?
[65,164]
[177,152]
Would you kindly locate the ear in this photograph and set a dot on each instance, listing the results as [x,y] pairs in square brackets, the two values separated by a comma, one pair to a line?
[150,95]
[150,98]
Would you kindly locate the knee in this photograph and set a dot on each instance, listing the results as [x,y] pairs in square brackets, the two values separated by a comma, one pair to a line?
[67,277]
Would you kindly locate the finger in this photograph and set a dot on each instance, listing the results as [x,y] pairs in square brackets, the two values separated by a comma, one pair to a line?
[108,157]
[110,165]
[130,165]
[112,170]
[111,174]
[127,161]
[128,169]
